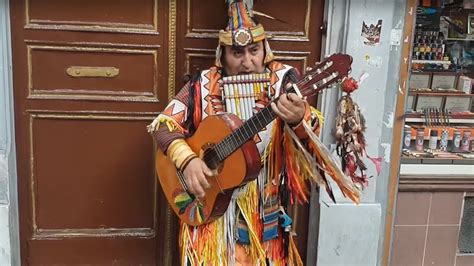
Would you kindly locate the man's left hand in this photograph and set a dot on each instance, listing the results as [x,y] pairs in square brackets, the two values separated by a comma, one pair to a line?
[290,108]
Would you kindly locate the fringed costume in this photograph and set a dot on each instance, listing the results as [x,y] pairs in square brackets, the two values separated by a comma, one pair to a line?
[255,229]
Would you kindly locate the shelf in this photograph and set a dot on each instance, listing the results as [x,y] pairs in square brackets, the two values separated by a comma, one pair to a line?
[453,118]
[431,61]
[435,71]
[458,94]
[458,160]
[451,115]
[437,169]
[460,39]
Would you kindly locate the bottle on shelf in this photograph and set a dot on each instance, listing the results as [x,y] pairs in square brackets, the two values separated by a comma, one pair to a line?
[443,142]
[466,141]
[456,145]
[433,142]
[406,138]
[420,138]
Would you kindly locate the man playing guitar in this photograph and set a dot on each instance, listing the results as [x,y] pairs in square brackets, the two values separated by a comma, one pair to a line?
[254,228]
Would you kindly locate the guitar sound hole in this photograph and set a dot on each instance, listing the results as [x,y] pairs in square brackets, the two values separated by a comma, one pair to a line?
[211,158]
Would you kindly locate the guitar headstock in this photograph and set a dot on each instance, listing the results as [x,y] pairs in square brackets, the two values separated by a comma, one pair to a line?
[331,70]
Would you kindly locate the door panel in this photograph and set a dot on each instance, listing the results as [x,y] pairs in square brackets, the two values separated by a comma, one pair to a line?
[88,77]
[89,15]
[76,172]
[93,72]
[100,251]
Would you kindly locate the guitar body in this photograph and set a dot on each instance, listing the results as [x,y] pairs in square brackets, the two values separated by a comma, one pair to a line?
[242,166]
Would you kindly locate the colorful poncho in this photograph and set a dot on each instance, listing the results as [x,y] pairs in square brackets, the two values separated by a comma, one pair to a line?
[255,228]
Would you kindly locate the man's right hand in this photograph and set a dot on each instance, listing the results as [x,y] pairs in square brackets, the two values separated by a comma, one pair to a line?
[195,174]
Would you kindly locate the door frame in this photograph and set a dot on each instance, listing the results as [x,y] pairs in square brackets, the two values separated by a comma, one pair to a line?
[385,248]
[8,147]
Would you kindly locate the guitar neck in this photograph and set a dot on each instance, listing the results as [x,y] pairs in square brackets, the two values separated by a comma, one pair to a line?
[246,132]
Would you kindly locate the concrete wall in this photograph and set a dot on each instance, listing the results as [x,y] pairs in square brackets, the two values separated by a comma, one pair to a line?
[350,234]
[9,232]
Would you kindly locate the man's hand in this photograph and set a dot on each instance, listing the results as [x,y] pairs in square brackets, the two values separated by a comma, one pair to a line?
[290,108]
[195,174]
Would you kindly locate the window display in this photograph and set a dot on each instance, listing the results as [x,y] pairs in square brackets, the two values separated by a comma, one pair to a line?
[439,120]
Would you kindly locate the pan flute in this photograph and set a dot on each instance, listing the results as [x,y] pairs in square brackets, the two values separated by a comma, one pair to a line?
[240,93]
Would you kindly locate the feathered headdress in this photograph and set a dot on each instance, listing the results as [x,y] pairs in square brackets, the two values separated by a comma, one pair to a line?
[241,29]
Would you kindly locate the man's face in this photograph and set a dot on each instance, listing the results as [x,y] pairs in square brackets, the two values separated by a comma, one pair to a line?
[244,60]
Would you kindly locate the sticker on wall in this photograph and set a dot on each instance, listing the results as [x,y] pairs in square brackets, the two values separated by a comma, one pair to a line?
[395,37]
[375,61]
[371,34]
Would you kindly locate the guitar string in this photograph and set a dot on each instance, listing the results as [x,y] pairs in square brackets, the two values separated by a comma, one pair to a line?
[222,154]
[228,150]
[228,140]
[240,133]
[303,81]
[182,179]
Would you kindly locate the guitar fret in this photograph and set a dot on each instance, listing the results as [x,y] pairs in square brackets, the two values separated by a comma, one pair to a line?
[253,123]
[244,133]
[219,154]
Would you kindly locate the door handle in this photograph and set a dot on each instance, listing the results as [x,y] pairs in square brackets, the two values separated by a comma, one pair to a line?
[92,72]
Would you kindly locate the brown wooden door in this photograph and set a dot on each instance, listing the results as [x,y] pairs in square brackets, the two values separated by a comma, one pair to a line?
[88,77]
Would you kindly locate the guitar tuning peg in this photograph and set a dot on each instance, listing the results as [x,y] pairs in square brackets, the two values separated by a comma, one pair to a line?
[308,69]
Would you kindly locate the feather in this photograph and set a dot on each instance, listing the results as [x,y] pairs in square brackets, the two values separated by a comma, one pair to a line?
[377,162]
[263,15]
[332,167]
[258,13]
[323,162]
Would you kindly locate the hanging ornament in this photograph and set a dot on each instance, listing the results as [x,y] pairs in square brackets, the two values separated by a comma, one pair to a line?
[350,140]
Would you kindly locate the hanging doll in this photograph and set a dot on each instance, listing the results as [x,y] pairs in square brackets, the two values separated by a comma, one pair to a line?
[350,128]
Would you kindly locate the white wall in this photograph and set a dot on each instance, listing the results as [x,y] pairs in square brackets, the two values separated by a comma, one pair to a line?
[9,232]
[352,234]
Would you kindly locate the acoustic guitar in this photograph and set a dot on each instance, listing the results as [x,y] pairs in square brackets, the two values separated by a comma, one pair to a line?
[226,143]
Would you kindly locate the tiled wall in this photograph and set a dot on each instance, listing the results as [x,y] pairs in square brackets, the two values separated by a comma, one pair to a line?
[426,230]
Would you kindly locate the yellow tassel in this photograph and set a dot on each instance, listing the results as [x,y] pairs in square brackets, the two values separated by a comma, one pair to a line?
[170,123]
[187,247]
[294,257]
[248,205]
[318,114]
[200,245]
